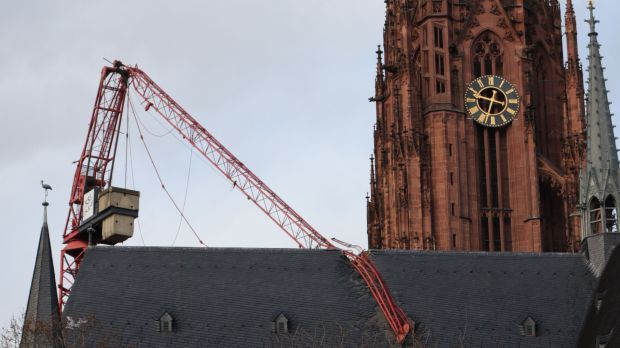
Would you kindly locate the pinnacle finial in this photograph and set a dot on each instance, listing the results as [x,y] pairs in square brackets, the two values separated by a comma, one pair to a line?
[45,187]
[592,21]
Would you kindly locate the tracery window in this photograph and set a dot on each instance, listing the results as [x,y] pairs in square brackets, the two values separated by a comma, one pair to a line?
[611,215]
[596,216]
[487,56]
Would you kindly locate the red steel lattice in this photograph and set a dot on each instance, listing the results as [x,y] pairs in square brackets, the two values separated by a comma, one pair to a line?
[98,156]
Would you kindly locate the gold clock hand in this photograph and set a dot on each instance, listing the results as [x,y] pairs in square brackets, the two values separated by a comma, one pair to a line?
[491,103]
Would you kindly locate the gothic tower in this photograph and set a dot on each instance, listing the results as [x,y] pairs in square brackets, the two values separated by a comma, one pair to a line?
[479,137]
[600,179]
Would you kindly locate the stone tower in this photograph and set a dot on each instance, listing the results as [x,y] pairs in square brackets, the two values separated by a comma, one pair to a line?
[440,180]
[600,179]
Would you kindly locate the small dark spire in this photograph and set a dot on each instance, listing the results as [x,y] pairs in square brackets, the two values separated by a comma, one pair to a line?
[42,318]
[379,64]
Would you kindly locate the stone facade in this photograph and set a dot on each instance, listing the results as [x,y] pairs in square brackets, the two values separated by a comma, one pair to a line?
[439,181]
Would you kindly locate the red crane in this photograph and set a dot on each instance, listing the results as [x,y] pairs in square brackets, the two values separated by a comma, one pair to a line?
[96,164]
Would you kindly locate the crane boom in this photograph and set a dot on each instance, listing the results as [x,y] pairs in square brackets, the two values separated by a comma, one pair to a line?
[298,229]
[234,170]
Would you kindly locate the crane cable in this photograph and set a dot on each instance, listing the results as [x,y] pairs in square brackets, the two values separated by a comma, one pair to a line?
[128,158]
[131,107]
[184,144]
[189,170]
[129,150]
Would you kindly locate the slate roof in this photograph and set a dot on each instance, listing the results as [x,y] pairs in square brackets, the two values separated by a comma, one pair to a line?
[227,297]
[604,321]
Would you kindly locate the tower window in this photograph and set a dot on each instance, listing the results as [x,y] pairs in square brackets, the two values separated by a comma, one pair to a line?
[487,52]
[440,87]
[453,207]
[611,215]
[595,216]
[453,240]
[438,36]
[451,178]
[439,64]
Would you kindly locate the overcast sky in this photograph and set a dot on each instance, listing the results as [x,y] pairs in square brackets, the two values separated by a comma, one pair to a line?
[283,84]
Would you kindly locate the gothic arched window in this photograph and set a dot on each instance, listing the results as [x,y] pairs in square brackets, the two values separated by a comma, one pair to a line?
[596,216]
[487,55]
[611,215]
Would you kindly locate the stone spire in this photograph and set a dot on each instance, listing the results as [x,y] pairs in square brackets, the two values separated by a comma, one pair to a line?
[600,182]
[42,318]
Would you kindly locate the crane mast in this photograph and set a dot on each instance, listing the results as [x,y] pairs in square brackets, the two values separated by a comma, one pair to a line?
[96,164]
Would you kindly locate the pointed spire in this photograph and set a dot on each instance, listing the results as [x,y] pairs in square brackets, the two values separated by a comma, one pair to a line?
[571,35]
[602,152]
[372,176]
[601,180]
[379,78]
[42,318]
[574,77]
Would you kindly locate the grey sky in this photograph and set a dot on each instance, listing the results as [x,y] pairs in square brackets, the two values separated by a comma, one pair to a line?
[283,84]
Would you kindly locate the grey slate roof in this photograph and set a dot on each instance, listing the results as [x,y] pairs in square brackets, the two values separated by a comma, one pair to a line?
[606,320]
[222,297]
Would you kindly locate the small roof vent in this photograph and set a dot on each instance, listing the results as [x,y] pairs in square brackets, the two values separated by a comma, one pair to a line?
[165,322]
[528,327]
[280,324]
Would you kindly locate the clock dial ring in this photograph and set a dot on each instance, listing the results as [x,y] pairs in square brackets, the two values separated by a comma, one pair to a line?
[492,101]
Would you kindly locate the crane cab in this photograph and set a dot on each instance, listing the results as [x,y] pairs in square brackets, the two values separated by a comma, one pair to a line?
[111,213]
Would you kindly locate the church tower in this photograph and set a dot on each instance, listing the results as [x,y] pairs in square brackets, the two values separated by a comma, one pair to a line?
[41,326]
[479,137]
[600,179]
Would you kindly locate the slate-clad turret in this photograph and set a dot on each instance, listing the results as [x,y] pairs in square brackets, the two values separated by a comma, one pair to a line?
[42,318]
[600,181]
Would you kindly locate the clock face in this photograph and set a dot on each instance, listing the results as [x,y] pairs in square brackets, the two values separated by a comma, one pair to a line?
[492,101]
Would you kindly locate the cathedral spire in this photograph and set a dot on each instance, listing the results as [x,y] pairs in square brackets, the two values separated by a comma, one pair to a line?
[600,183]
[42,318]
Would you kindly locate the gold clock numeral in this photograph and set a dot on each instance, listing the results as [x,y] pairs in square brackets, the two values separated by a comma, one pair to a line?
[491,80]
[480,83]
[473,90]
[493,121]
[483,118]
[511,111]
[503,118]
[470,100]
[474,110]
[502,84]
[510,91]
[513,101]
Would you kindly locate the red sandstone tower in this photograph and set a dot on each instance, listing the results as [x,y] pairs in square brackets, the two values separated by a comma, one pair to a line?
[441,179]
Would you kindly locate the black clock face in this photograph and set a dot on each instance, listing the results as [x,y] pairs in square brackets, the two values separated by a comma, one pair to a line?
[492,101]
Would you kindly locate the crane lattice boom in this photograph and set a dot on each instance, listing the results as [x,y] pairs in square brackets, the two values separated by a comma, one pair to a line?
[97,162]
